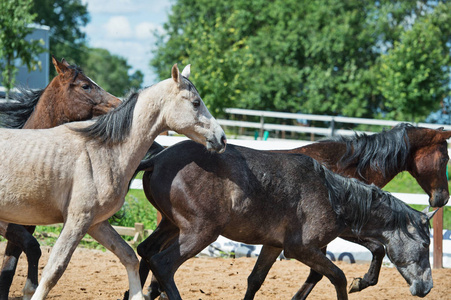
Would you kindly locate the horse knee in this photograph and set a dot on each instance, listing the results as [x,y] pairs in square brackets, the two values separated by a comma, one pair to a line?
[33,249]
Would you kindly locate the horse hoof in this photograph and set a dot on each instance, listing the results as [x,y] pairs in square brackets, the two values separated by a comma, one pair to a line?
[355,285]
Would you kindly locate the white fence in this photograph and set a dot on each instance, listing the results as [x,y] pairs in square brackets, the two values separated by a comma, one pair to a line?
[331,120]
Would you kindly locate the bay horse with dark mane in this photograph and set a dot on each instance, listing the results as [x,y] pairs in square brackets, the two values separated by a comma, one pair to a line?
[372,159]
[70,96]
[283,201]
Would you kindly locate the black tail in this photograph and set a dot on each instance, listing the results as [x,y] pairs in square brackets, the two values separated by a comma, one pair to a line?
[147,163]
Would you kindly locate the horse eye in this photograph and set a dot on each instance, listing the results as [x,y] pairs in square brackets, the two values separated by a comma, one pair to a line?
[85,86]
[196,103]
[425,245]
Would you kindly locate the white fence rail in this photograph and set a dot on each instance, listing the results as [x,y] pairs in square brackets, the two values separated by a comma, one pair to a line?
[330,131]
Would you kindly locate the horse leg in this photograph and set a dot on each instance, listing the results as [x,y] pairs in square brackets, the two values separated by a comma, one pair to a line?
[372,276]
[20,237]
[165,264]
[156,242]
[312,279]
[317,260]
[105,234]
[266,259]
[73,231]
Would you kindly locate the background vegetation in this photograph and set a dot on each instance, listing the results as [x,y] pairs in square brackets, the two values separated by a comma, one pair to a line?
[355,58]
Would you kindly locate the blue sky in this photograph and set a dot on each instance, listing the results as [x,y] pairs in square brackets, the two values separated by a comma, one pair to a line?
[124,27]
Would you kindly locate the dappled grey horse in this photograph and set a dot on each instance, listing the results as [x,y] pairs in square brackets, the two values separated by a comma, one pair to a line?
[284,201]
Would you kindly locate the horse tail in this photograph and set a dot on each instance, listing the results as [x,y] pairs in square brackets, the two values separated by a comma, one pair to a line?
[147,163]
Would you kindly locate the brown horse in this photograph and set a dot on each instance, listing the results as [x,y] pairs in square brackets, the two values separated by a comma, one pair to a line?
[70,96]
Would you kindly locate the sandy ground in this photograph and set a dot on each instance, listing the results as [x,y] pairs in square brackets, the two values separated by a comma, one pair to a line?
[93,274]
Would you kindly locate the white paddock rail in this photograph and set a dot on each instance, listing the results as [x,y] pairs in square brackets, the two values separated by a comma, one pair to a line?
[330,131]
[167,141]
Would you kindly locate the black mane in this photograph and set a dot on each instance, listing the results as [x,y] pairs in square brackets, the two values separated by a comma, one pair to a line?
[114,126]
[15,113]
[352,201]
[386,151]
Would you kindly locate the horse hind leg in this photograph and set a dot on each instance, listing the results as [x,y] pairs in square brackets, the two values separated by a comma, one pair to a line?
[20,237]
[266,259]
[105,234]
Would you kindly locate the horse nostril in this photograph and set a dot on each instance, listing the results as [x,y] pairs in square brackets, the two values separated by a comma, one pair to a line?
[224,140]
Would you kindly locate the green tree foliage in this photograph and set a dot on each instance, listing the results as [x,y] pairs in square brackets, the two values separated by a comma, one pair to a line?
[65,18]
[414,75]
[15,17]
[111,72]
[322,57]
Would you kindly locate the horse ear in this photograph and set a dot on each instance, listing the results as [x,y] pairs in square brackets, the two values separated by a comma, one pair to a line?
[176,74]
[65,62]
[446,134]
[187,71]
[60,67]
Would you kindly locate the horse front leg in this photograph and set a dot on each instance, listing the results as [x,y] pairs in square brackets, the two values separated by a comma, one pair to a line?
[73,231]
[19,238]
[266,259]
[105,234]
[372,276]
[311,281]
[318,261]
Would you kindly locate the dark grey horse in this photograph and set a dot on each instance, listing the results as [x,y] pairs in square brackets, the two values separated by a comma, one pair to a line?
[282,201]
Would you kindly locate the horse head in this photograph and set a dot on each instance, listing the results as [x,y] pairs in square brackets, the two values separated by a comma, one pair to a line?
[192,118]
[81,98]
[409,251]
[429,164]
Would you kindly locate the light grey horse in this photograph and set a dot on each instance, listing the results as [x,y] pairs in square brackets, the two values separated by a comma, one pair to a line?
[79,173]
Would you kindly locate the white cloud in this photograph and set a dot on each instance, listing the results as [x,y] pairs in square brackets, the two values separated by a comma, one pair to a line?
[145,30]
[126,6]
[118,27]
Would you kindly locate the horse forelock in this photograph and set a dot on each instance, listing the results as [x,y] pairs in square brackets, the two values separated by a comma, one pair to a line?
[386,151]
[15,113]
[114,126]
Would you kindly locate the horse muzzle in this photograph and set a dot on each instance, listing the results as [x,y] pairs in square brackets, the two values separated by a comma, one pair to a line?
[421,288]
[217,144]
[439,198]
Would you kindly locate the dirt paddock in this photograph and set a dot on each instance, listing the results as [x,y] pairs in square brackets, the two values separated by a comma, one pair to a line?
[93,274]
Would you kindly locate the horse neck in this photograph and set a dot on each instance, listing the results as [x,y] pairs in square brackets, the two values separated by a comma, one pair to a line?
[147,124]
[47,112]
[329,154]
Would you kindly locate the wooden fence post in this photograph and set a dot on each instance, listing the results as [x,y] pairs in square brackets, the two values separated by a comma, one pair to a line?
[438,240]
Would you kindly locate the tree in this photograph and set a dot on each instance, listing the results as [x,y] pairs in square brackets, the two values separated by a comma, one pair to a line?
[414,77]
[65,18]
[14,23]
[290,55]
[111,72]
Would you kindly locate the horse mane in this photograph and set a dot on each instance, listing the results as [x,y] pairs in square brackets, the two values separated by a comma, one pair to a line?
[352,200]
[386,151]
[15,113]
[114,126]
